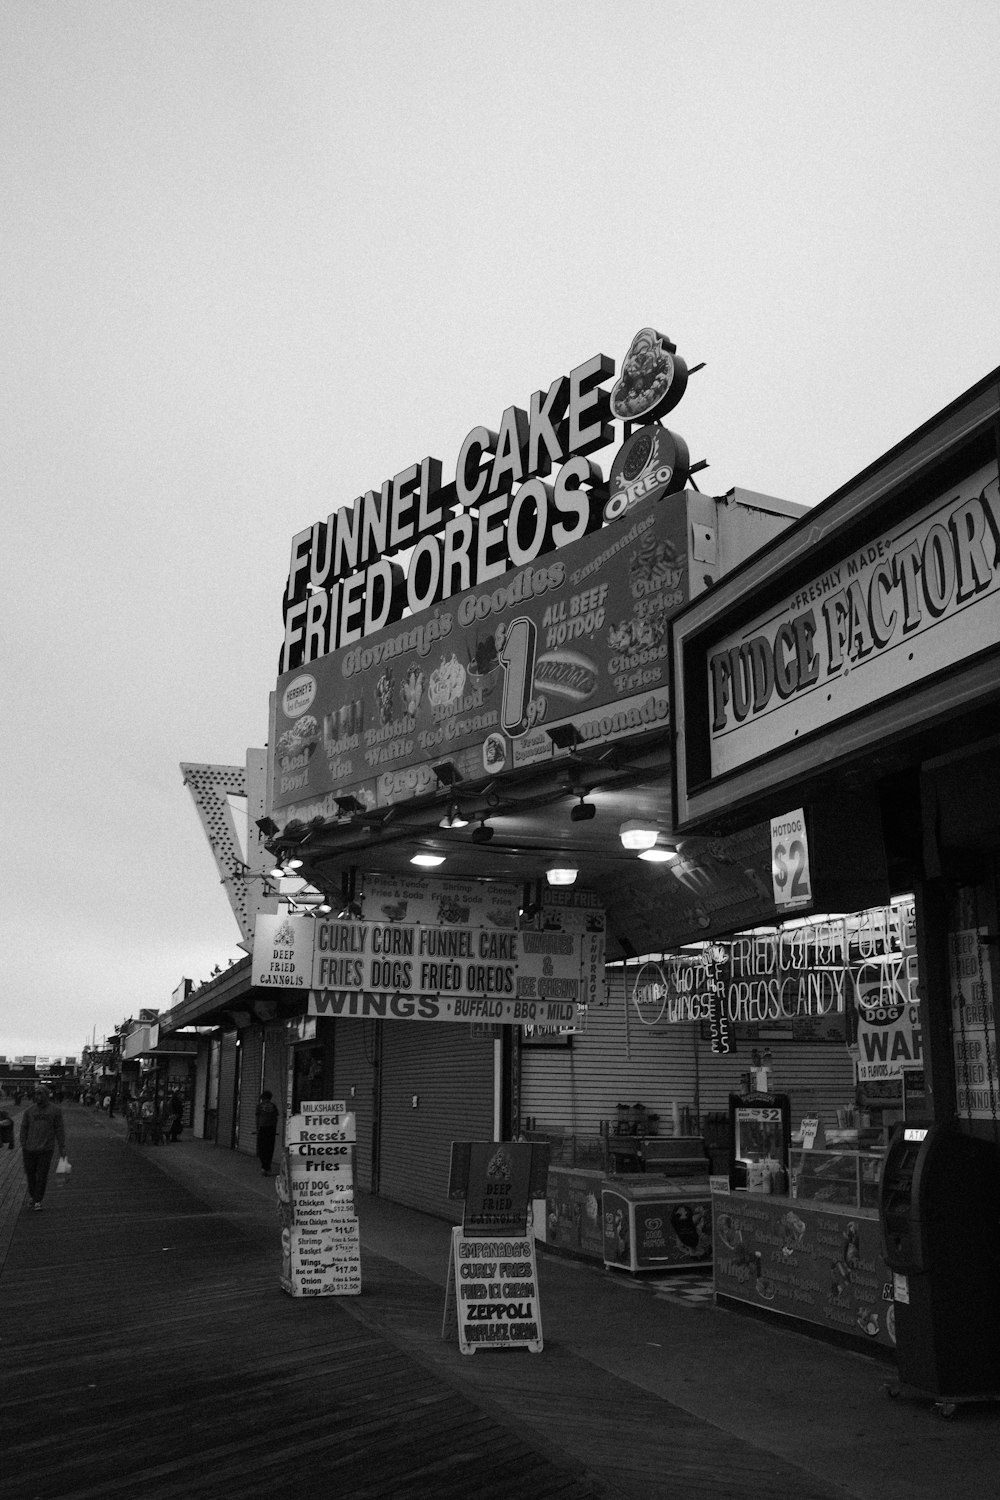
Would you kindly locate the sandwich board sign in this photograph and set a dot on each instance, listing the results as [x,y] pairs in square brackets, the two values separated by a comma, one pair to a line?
[491,1297]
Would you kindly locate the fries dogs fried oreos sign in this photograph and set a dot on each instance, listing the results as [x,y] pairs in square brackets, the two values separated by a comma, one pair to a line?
[522,605]
[424,973]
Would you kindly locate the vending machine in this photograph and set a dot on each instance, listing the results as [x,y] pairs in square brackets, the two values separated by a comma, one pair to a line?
[939,1211]
[759,1139]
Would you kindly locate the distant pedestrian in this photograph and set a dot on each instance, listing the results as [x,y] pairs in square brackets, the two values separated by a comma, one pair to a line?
[42,1131]
[175,1115]
[267,1130]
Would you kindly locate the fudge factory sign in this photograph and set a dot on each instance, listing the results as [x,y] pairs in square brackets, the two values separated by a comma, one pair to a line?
[906,604]
[533,592]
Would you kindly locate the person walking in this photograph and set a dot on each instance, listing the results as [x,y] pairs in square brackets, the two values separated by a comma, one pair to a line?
[175,1115]
[267,1130]
[42,1130]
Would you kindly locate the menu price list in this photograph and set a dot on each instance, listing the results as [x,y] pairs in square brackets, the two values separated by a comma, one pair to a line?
[320,1238]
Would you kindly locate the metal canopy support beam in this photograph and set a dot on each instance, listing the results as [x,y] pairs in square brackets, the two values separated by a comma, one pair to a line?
[243,877]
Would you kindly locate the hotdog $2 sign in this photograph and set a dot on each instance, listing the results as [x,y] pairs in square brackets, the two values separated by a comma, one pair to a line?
[579,636]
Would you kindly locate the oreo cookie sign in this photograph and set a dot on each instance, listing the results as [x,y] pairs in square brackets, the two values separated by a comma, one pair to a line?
[652,462]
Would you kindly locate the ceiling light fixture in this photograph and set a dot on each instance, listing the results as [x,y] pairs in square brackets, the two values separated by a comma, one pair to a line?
[561,875]
[658,856]
[637,833]
[430,860]
[483,833]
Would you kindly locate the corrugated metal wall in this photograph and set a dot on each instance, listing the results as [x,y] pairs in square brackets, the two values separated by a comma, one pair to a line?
[275,1076]
[225,1125]
[450,1070]
[618,1060]
[251,1067]
[354,1052]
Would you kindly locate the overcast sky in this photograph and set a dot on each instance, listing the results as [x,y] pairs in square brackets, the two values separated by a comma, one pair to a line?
[258,257]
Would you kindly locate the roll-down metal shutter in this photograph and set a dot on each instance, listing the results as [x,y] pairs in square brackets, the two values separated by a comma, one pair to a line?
[275,1074]
[251,1064]
[225,1124]
[354,1056]
[619,1060]
[448,1069]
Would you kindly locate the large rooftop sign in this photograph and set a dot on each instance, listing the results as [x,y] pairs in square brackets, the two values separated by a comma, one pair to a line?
[497,513]
[523,604]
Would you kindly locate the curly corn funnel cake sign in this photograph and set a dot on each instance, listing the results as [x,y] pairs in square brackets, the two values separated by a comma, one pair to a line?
[537,605]
[416,972]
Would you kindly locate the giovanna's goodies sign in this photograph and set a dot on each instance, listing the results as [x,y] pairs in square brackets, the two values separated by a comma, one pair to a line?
[534,594]
[908,603]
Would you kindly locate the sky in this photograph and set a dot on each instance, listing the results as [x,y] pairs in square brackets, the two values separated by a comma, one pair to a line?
[259,255]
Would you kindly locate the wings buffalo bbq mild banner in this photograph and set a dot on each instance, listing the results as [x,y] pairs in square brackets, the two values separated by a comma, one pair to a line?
[422,973]
[579,636]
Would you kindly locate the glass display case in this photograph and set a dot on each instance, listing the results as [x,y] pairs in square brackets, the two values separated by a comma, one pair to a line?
[848,1178]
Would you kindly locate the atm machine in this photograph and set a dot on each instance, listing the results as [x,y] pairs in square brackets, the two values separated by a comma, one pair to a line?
[939,1211]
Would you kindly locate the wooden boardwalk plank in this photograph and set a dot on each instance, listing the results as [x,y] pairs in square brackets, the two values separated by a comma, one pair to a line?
[146,1352]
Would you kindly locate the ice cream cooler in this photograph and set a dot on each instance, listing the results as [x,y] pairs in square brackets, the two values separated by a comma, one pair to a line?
[651,1225]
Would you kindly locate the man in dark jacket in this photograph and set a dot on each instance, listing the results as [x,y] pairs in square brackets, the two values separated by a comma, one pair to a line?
[267,1129]
[42,1131]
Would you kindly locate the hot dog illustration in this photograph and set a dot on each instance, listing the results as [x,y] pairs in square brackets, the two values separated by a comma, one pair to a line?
[567,674]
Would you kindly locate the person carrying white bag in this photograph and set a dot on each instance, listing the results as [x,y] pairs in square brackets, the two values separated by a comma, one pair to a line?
[42,1130]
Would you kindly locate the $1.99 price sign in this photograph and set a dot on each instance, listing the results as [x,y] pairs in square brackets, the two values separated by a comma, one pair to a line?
[790,875]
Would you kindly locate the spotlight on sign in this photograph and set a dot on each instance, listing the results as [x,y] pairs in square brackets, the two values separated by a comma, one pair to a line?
[561,875]
[453,818]
[564,736]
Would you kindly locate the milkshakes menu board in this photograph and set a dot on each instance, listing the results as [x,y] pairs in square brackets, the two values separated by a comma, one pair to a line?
[320,1241]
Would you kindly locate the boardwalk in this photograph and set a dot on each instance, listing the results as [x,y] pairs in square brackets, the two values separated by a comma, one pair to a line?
[147,1351]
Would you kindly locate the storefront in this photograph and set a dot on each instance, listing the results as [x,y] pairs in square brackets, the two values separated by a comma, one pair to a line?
[235,1041]
[846,678]
[474,682]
